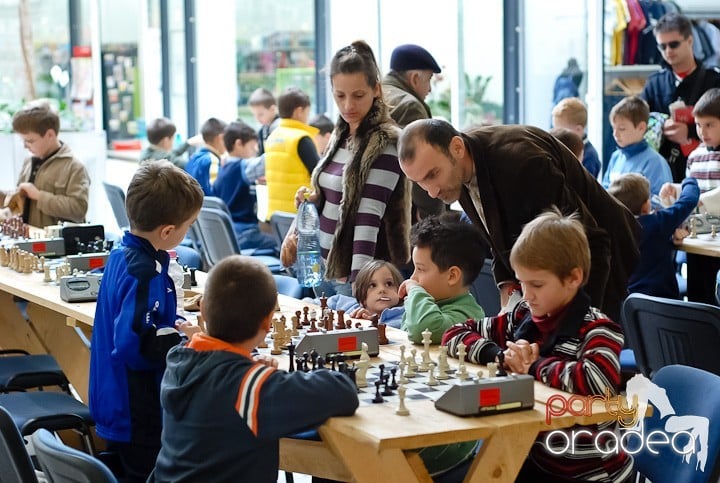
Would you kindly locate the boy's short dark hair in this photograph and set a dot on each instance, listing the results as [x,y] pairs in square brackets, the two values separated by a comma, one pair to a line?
[452,242]
[238,130]
[570,139]
[708,104]
[632,108]
[632,190]
[290,99]
[261,97]
[673,22]
[553,242]
[212,128]
[239,293]
[159,194]
[36,117]
[159,129]
[364,275]
[323,123]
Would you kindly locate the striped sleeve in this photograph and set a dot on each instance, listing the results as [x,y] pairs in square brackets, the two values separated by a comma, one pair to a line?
[381,182]
[586,365]
[248,400]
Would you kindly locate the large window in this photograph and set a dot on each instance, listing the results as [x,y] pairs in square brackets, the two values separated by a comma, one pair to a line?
[275,48]
[34,57]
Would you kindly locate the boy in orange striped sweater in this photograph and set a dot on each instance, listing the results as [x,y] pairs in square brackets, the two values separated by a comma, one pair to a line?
[224,409]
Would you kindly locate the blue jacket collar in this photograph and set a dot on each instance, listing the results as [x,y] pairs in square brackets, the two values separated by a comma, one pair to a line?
[633,149]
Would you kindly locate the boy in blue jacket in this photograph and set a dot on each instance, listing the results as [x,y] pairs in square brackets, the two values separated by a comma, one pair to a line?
[224,410]
[135,319]
[655,274]
[205,163]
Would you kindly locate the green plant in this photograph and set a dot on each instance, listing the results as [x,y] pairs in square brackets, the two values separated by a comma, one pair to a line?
[476,109]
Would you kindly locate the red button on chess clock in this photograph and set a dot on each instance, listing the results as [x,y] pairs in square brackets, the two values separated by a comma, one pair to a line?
[490,396]
[97,262]
[39,247]
[347,344]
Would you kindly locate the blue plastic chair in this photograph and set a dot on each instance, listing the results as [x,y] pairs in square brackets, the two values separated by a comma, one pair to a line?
[695,398]
[61,463]
[288,286]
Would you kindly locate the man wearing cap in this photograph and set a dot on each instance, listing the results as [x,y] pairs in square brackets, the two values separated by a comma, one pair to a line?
[405,88]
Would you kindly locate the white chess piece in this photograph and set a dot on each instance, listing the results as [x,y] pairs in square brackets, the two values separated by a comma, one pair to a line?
[410,369]
[492,369]
[413,361]
[402,352]
[431,375]
[462,372]
[364,356]
[443,365]
[402,379]
[401,410]
[361,373]
[480,374]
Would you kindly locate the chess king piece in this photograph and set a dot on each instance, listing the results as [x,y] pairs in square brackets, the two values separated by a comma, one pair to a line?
[402,410]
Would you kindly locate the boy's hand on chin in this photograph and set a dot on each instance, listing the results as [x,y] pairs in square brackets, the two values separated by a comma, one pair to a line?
[405,287]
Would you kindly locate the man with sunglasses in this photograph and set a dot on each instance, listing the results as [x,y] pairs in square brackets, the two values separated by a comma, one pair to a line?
[682,78]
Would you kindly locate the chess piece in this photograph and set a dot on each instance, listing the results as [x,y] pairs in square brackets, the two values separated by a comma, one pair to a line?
[401,410]
[713,233]
[378,397]
[323,302]
[313,326]
[46,271]
[291,357]
[410,367]
[413,363]
[426,340]
[402,379]
[402,353]
[374,320]
[443,365]
[431,375]
[295,322]
[462,372]
[480,374]
[340,320]
[693,230]
[361,374]
[501,364]
[492,369]
[382,338]
[306,321]
[364,356]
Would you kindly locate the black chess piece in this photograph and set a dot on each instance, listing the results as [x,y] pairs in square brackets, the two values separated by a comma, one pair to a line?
[388,389]
[381,367]
[321,362]
[313,358]
[193,280]
[291,356]
[342,367]
[393,384]
[332,362]
[305,358]
[500,364]
[378,397]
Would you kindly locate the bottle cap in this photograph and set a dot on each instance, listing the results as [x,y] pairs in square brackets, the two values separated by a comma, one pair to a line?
[306,194]
[172,253]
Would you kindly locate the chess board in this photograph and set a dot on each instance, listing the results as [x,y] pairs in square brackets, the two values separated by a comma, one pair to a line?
[416,388]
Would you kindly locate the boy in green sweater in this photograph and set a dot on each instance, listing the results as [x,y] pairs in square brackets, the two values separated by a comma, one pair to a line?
[448,255]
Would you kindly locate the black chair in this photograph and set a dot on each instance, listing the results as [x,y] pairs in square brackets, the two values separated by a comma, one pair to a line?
[280,222]
[214,227]
[15,463]
[663,331]
[116,197]
[485,290]
[54,411]
[20,370]
[63,464]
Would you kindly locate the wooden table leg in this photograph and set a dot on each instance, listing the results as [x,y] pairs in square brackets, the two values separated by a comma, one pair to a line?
[501,456]
[367,464]
[64,343]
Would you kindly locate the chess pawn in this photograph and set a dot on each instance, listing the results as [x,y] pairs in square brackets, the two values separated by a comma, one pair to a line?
[693,230]
[713,233]
[431,375]
[401,410]
[402,353]
[402,379]
[492,369]
[480,374]
[295,321]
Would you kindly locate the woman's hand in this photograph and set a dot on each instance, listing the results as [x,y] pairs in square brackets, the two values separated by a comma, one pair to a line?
[300,196]
[288,250]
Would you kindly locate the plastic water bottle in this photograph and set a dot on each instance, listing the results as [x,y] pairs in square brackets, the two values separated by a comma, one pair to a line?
[310,267]
[177,274]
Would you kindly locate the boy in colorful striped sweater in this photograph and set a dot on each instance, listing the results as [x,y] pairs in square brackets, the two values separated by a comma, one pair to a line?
[554,335]
[224,410]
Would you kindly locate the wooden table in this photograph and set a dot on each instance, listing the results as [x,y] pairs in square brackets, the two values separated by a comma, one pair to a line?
[373,445]
[702,245]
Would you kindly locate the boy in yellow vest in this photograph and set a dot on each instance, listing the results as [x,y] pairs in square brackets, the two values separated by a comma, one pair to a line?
[290,153]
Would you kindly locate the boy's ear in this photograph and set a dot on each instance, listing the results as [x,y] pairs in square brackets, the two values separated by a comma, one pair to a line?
[166,231]
[576,277]
[455,275]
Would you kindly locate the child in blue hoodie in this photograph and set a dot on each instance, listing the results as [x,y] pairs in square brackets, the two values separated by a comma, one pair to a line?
[135,318]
